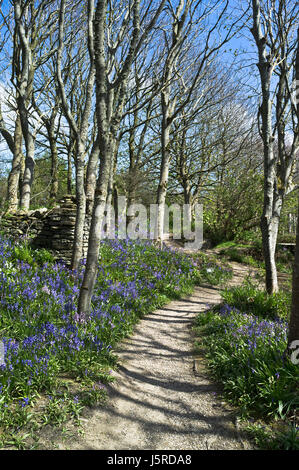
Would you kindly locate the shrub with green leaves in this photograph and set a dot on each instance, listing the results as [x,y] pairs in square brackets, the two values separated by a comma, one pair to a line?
[24,252]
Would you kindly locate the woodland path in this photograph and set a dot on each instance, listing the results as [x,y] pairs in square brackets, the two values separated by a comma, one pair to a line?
[163,398]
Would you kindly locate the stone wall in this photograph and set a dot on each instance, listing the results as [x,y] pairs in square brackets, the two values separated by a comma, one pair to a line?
[52,229]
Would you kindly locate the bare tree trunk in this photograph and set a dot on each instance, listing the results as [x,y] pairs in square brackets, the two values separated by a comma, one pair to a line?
[14,175]
[112,171]
[183,174]
[54,160]
[22,171]
[24,95]
[95,231]
[269,227]
[294,320]
[28,174]
[133,156]
[81,207]
[91,176]
[69,165]
[269,237]
[115,204]
[164,171]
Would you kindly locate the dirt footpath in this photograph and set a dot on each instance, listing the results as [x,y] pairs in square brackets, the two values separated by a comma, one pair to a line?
[162,398]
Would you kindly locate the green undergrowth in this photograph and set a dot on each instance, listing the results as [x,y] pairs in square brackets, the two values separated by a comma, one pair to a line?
[57,362]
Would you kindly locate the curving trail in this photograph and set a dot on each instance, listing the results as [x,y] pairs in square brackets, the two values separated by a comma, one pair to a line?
[162,398]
